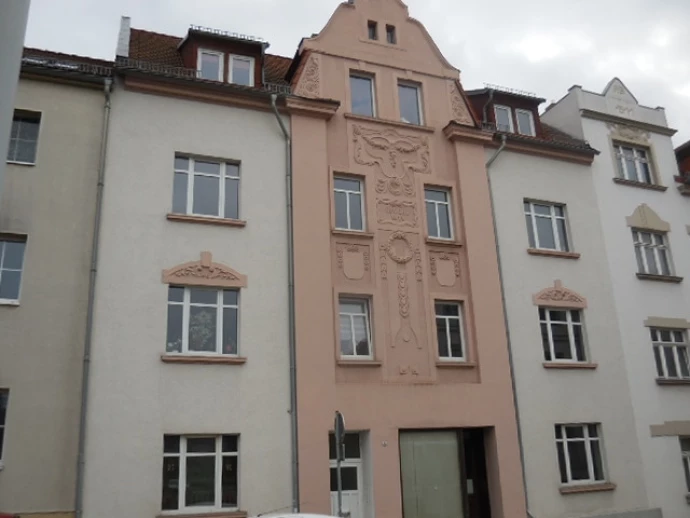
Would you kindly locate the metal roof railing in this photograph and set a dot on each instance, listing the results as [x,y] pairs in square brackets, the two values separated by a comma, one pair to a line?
[66,65]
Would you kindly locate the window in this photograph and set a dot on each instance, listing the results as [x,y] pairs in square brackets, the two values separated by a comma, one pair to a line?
[685,449]
[206,188]
[546,226]
[671,353]
[504,118]
[210,65]
[355,333]
[206,467]
[651,253]
[241,70]
[410,105]
[449,331]
[372,30]
[579,453]
[4,396]
[11,264]
[561,335]
[349,209]
[202,321]
[350,472]
[438,213]
[390,34]
[525,122]
[633,163]
[362,92]
[24,137]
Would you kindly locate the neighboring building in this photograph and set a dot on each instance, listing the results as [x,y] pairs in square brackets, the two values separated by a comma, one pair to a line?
[399,315]
[683,177]
[572,388]
[645,226]
[46,227]
[189,395]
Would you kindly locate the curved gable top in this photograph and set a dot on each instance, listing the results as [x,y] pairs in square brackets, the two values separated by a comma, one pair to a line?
[560,297]
[645,218]
[204,272]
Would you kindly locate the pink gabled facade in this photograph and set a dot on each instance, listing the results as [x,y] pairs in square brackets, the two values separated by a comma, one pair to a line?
[403,397]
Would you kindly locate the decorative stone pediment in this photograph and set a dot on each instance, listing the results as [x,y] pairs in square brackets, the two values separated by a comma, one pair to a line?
[204,272]
[623,132]
[461,114]
[309,84]
[560,297]
[645,218]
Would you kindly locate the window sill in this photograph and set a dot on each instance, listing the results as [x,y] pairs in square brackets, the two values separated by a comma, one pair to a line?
[206,220]
[28,164]
[389,122]
[182,358]
[567,365]
[587,488]
[660,278]
[668,381]
[449,364]
[442,242]
[359,363]
[212,514]
[11,303]
[352,233]
[641,185]
[553,253]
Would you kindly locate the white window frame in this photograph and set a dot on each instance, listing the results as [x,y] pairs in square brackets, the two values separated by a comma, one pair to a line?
[219,307]
[685,455]
[588,450]
[570,323]
[344,299]
[531,130]
[532,213]
[225,173]
[221,68]
[446,192]
[351,462]
[347,194]
[420,111]
[638,158]
[372,90]
[218,454]
[510,117]
[252,71]
[3,240]
[658,249]
[461,323]
[26,114]
[675,345]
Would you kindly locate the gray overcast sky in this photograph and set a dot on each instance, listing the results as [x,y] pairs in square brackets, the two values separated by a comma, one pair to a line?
[542,46]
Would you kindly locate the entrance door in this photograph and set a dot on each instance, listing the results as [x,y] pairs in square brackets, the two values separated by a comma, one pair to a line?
[430,474]
[351,473]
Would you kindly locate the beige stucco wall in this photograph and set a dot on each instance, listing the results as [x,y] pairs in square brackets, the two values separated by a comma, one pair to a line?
[41,342]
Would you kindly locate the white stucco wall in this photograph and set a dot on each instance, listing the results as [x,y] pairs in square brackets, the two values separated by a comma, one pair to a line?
[636,300]
[135,397]
[550,396]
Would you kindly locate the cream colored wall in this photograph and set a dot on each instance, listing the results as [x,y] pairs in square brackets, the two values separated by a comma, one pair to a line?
[42,339]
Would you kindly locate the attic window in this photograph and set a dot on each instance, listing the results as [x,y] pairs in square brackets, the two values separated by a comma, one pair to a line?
[390,34]
[525,122]
[504,118]
[210,65]
[373,29]
[241,70]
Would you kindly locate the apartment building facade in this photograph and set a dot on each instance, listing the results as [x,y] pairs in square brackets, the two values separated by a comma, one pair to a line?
[398,317]
[189,407]
[644,217]
[46,229]
[580,458]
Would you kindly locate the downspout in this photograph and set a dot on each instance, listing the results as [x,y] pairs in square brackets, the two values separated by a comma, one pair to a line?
[491,160]
[485,118]
[86,365]
[291,309]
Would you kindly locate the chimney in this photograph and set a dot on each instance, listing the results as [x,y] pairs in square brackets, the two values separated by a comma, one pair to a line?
[123,37]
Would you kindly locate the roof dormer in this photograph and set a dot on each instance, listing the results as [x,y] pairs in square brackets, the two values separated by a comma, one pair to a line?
[507,110]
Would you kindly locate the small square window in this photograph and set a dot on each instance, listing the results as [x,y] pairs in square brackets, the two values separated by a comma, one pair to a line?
[652,253]
[241,70]
[634,163]
[355,331]
[410,103]
[525,122]
[390,34]
[210,65]
[504,118]
[362,95]
[349,203]
[11,267]
[449,331]
[546,226]
[372,30]
[438,213]
[580,456]
[204,187]
[24,137]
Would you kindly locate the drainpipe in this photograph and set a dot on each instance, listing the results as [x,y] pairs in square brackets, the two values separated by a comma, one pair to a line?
[291,310]
[86,365]
[485,118]
[491,160]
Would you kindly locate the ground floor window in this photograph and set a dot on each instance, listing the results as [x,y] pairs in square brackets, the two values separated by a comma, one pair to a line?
[579,453]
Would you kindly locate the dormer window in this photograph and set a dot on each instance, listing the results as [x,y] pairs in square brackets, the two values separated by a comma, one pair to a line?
[241,70]
[372,28]
[210,65]
[525,122]
[504,118]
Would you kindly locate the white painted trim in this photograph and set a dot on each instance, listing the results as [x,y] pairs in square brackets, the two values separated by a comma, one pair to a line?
[447,203]
[347,194]
[461,323]
[252,70]
[221,61]
[367,322]
[510,117]
[532,131]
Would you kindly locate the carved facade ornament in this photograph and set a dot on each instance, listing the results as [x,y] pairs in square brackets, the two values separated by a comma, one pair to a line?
[628,133]
[559,296]
[644,218]
[399,248]
[403,295]
[310,82]
[405,334]
[384,264]
[394,156]
[461,114]
[446,268]
[204,273]
[353,260]
[395,212]
[418,265]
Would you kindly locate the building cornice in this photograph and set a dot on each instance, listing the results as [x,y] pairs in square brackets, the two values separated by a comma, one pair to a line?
[458,132]
[654,128]
[319,108]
